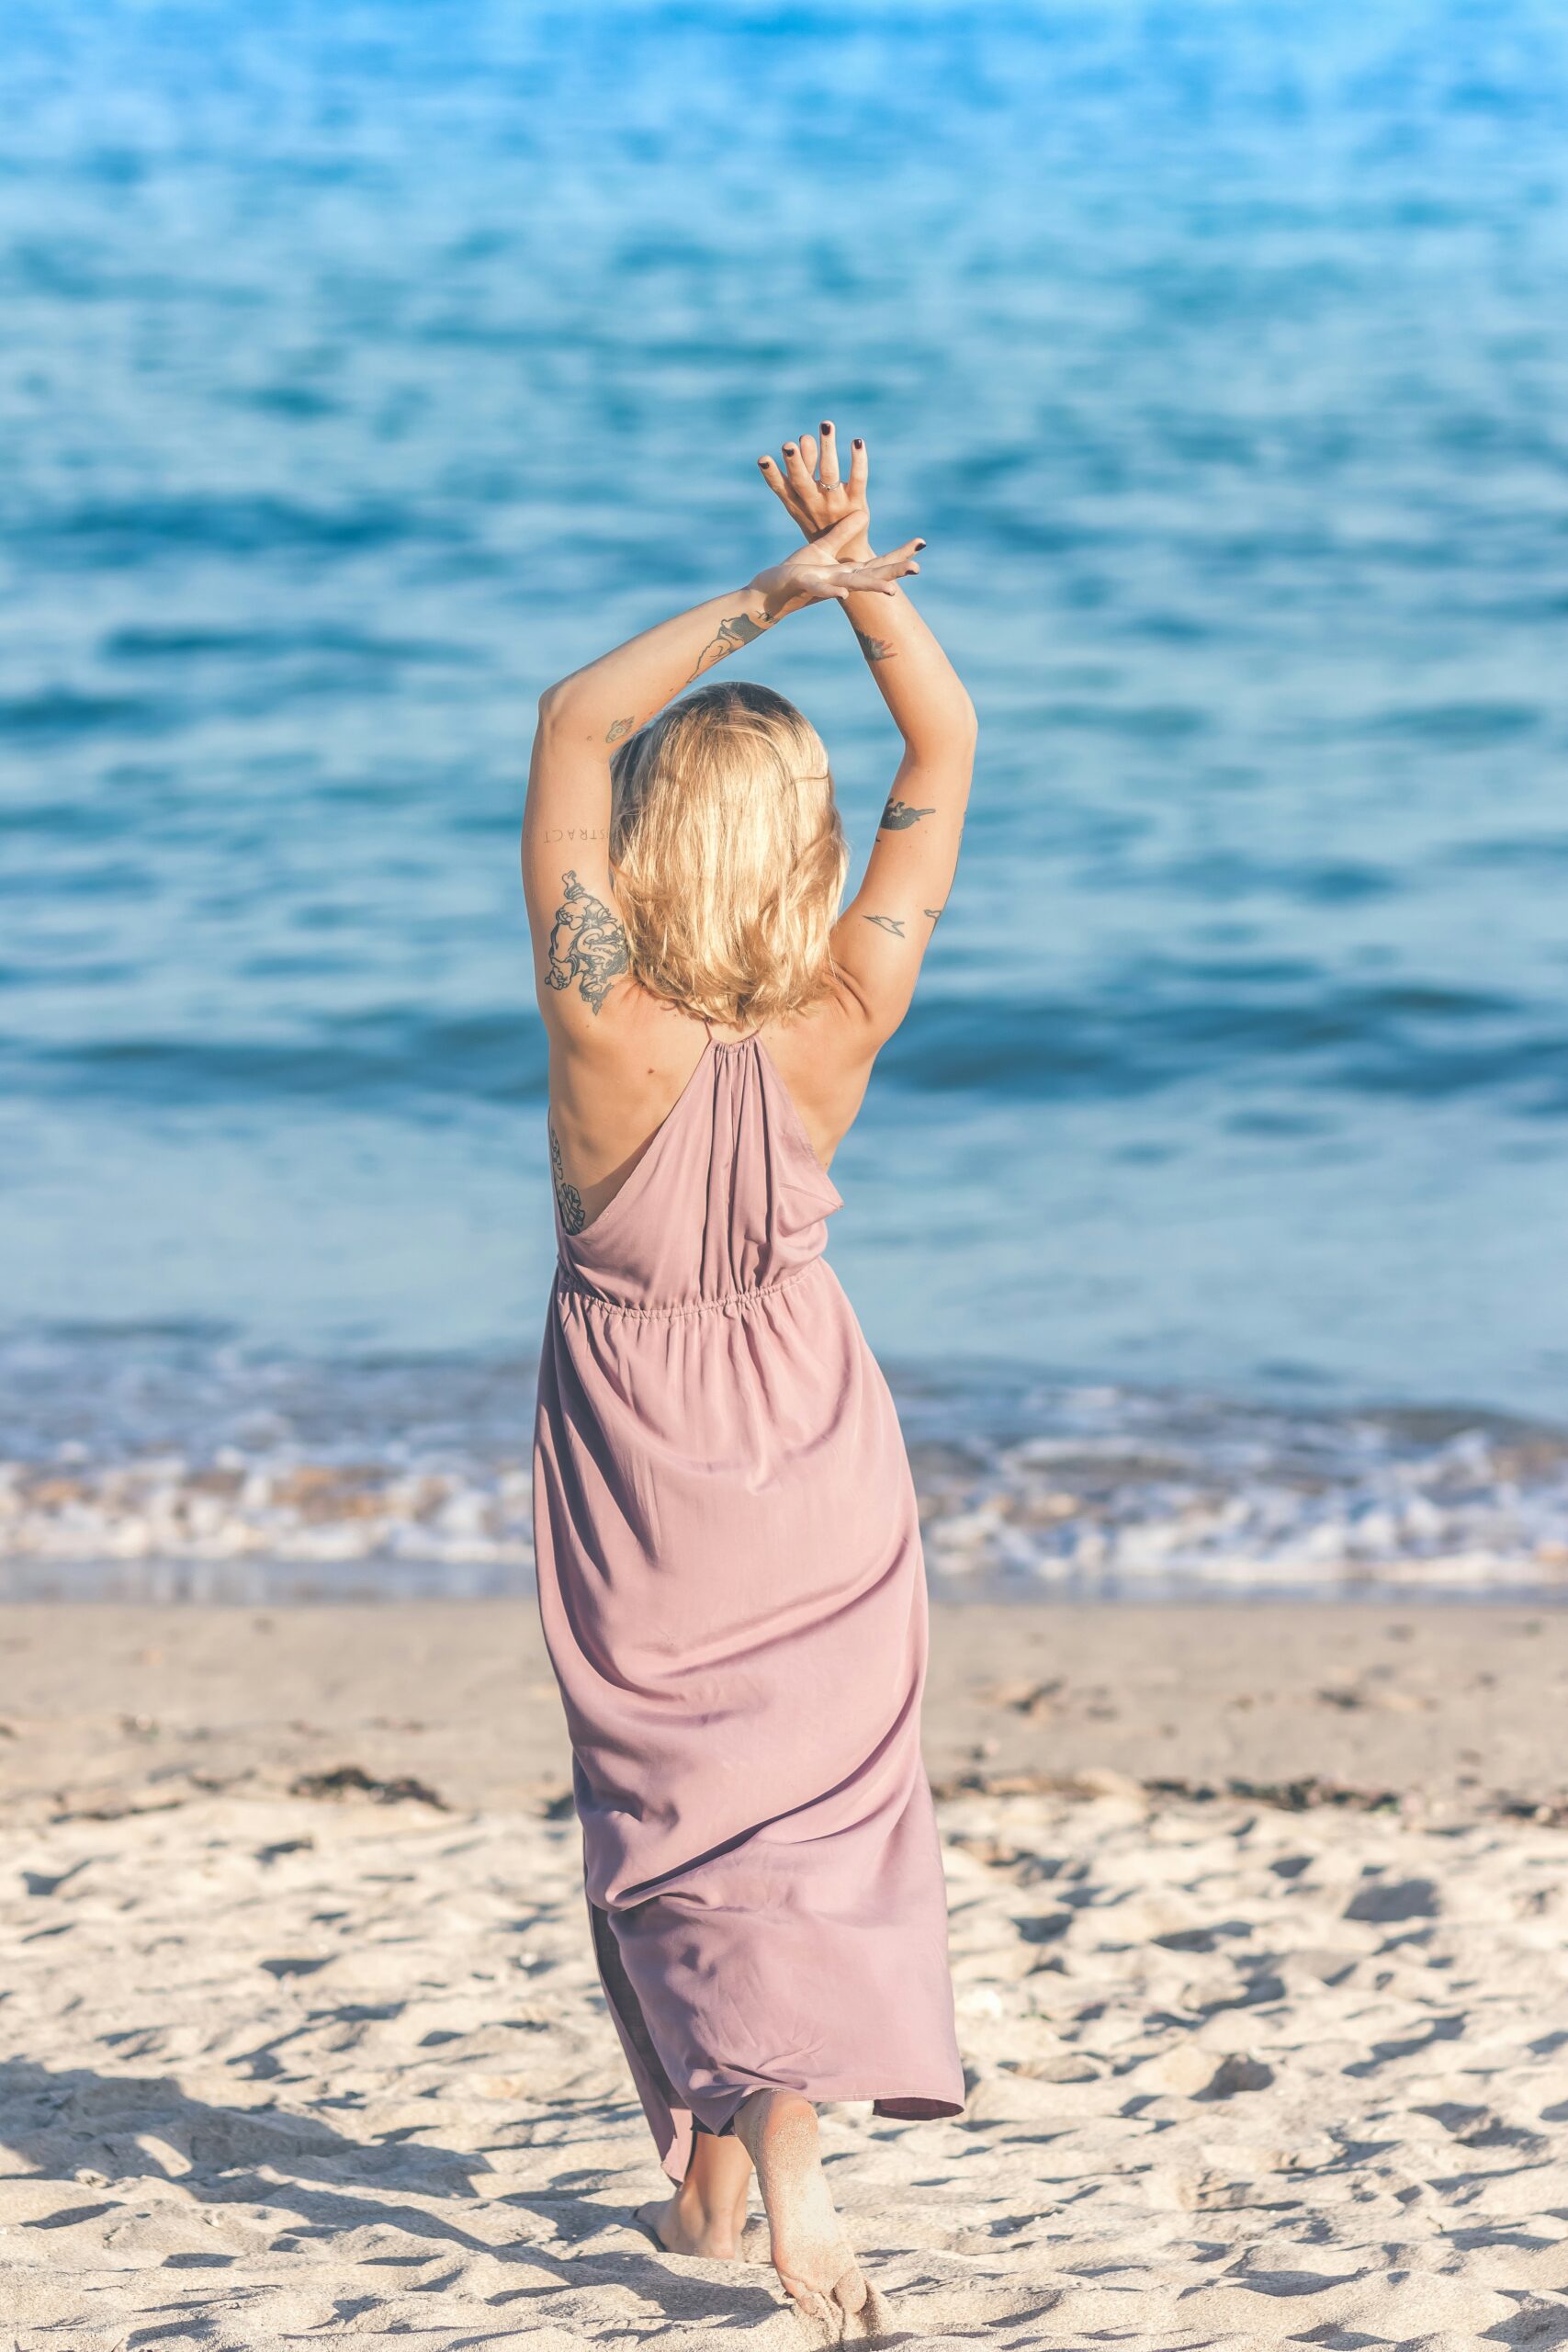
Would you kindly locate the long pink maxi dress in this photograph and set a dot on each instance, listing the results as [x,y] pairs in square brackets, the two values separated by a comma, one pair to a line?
[733,1597]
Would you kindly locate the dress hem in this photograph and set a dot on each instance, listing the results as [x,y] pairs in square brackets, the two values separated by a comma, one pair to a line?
[676,2159]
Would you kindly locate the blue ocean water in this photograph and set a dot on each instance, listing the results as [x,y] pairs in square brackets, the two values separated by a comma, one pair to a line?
[365,368]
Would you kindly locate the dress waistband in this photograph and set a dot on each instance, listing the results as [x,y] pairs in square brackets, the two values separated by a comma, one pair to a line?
[726,1302]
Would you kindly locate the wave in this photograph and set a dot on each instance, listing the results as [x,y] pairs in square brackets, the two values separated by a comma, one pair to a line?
[320,642]
[160,1464]
[109,535]
[1140,1035]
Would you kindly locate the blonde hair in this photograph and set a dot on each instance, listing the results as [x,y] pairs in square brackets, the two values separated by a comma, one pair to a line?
[729,856]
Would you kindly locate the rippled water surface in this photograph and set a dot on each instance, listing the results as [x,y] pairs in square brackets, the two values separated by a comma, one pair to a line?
[365,368]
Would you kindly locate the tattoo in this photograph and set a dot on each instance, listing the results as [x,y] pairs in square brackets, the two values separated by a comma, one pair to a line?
[933,914]
[568,1200]
[875,648]
[739,629]
[895,923]
[897,817]
[618,727]
[587,944]
[576,833]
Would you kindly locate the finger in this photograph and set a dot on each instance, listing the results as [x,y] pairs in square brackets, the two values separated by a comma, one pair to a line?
[833,583]
[796,472]
[834,537]
[777,484]
[859,466]
[808,452]
[884,570]
[828,466]
[891,567]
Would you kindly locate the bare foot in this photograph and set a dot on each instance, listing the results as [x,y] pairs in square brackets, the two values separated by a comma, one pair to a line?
[811,2253]
[680,2229]
[707,2214]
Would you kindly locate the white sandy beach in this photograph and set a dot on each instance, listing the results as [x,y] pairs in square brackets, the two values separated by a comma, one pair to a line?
[291,2051]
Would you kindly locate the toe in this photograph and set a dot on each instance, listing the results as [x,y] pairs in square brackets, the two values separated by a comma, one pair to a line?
[873,2322]
[823,2317]
[850,2291]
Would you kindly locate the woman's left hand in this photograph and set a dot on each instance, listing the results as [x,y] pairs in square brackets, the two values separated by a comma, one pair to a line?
[823,570]
[808,487]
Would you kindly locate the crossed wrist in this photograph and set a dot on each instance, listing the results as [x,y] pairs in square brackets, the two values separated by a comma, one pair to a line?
[856,550]
[765,606]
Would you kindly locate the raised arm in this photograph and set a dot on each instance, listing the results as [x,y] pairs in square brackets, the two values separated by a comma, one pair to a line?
[881,936]
[579,949]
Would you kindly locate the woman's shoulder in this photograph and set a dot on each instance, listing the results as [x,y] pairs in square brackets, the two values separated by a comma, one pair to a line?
[824,1056]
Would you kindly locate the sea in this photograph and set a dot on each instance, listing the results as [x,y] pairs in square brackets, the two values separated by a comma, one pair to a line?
[364,368]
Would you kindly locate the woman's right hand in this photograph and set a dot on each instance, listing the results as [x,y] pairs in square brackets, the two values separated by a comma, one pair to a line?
[807,485]
[825,568]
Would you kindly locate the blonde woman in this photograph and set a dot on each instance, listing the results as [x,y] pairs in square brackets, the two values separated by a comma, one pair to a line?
[730,1564]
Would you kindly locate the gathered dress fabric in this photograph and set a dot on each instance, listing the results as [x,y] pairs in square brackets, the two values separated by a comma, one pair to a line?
[733,1597]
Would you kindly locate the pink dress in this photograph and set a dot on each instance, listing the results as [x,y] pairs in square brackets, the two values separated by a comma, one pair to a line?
[733,1597]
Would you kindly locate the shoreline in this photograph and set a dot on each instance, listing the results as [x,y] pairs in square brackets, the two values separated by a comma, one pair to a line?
[1447,1707]
[206,1473]
[404,1585]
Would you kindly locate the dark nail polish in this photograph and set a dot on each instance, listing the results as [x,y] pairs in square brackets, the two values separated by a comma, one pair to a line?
[920,543]
[858,443]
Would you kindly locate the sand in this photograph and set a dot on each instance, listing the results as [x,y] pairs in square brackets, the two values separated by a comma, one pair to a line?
[1257,1924]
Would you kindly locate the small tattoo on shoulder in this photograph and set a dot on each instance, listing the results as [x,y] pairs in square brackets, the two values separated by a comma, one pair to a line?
[894,923]
[568,1200]
[933,914]
[588,946]
[898,816]
[875,648]
[618,727]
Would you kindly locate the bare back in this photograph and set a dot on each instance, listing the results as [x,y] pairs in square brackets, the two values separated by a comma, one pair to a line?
[611,1090]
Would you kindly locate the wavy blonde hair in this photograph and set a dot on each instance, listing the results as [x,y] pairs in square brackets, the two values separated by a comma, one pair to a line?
[729,856]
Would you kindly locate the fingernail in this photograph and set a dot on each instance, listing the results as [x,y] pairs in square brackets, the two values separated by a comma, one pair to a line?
[789,448]
[857,443]
[826,426]
[920,543]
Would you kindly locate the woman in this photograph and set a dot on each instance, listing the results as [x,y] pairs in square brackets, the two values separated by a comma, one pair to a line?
[730,1564]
